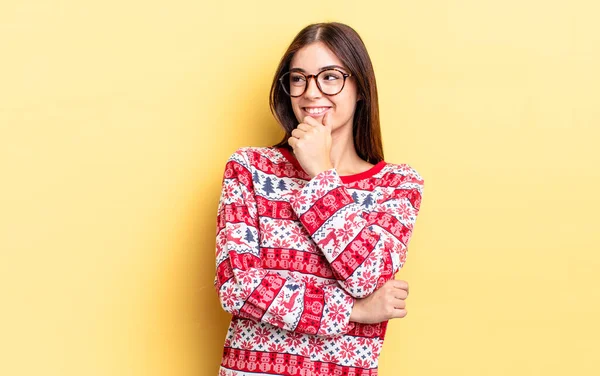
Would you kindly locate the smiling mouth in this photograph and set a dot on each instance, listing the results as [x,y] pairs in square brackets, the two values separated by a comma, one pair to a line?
[315,110]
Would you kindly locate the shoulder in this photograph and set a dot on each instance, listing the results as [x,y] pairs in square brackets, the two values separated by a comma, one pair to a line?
[401,176]
[403,182]
[251,156]
[404,171]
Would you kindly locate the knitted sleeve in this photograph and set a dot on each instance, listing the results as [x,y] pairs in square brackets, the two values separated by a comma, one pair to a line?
[365,248]
[248,290]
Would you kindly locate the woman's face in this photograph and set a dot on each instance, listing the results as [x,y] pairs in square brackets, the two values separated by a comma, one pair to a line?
[312,59]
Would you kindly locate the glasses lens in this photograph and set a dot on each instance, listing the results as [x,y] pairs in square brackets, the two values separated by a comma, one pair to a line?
[331,81]
[293,83]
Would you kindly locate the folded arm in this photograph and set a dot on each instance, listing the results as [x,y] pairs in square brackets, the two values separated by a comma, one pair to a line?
[248,290]
[365,247]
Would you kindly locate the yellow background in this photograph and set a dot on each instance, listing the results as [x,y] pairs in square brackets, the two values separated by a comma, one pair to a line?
[116,118]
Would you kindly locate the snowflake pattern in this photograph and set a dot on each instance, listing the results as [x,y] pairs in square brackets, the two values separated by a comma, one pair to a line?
[294,253]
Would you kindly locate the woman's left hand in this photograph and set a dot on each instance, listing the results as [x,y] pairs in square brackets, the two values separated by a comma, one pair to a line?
[386,303]
[311,142]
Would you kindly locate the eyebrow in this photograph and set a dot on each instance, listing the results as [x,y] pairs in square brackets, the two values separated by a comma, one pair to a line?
[322,69]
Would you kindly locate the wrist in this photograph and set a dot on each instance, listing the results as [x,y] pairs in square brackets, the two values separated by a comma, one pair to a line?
[356,313]
[323,167]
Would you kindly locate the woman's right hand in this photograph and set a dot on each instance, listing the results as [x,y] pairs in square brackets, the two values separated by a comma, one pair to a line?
[385,303]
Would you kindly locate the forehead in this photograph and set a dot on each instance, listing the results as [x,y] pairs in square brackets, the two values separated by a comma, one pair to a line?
[313,57]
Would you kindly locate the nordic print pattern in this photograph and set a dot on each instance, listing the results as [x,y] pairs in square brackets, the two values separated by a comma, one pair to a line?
[293,254]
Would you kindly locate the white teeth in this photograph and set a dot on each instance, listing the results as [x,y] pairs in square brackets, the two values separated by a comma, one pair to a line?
[316,110]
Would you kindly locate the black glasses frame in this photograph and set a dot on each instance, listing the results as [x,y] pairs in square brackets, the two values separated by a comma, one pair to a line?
[283,76]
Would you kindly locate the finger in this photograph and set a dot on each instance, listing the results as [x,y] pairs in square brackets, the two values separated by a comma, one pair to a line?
[325,120]
[298,133]
[400,294]
[400,284]
[292,142]
[311,121]
[399,313]
[399,304]
[394,283]
[304,127]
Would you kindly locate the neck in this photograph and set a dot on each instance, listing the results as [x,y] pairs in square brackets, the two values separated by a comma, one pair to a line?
[343,154]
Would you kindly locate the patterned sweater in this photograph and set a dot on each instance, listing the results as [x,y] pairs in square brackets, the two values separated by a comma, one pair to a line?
[294,253]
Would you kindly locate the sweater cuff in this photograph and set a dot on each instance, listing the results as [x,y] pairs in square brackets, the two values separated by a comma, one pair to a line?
[320,199]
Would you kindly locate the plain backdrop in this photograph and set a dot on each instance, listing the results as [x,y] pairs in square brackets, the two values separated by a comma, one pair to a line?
[117,117]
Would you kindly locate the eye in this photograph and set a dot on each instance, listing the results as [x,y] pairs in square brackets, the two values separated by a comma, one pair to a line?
[331,75]
[297,78]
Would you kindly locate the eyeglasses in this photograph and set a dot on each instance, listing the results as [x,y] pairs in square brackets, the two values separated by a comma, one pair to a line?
[330,82]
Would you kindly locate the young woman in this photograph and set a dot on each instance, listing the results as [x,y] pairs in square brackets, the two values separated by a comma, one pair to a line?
[311,231]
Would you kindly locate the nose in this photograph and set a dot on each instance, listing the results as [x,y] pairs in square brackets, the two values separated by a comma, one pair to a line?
[312,90]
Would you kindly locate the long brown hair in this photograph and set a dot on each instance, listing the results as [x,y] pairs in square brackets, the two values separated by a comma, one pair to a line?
[347,45]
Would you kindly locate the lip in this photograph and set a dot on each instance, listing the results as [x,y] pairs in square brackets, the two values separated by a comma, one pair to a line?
[315,115]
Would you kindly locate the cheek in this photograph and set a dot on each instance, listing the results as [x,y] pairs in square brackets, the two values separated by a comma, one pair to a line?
[295,108]
[297,112]
[345,106]
[346,101]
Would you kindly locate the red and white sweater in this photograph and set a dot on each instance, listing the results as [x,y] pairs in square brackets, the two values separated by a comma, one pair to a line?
[294,253]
